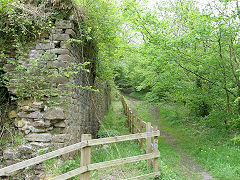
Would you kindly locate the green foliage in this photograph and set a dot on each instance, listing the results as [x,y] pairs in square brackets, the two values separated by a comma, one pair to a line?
[218,119]
[68,166]
[236,140]
[16,34]
[184,54]
[102,23]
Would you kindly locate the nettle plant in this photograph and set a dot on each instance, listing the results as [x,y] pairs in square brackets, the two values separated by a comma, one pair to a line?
[42,77]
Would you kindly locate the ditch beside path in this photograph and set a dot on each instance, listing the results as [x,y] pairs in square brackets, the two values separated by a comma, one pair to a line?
[191,169]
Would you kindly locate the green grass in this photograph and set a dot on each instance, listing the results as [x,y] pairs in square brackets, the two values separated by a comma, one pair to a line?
[210,147]
[11,140]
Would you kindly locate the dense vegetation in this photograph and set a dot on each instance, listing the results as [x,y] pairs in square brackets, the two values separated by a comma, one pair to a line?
[186,53]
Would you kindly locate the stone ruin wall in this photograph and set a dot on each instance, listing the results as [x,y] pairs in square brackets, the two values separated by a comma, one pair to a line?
[44,126]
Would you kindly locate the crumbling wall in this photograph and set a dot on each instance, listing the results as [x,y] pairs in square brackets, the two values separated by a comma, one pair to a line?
[44,125]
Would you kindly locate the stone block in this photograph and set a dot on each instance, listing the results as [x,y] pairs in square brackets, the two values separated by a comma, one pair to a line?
[22,115]
[39,130]
[21,123]
[61,138]
[36,53]
[41,124]
[27,102]
[25,149]
[60,124]
[12,114]
[58,130]
[56,31]
[60,37]
[29,109]
[70,32]
[27,131]
[10,154]
[35,115]
[58,64]
[40,137]
[44,45]
[59,51]
[64,24]
[38,104]
[65,45]
[54,113]
[39,144]
[65,57]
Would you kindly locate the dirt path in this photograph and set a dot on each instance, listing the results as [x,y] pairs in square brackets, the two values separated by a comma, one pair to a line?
[190,167]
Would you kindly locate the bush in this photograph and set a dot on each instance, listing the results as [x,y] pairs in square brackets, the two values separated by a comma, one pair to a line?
[218,119]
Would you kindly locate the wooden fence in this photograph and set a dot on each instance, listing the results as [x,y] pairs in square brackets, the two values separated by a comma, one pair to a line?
[152,153]
[137,125]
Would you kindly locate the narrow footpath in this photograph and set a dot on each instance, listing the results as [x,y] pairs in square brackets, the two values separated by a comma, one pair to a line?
[191,169]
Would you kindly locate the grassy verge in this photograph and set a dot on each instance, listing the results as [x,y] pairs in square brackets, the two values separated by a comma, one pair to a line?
[208,146]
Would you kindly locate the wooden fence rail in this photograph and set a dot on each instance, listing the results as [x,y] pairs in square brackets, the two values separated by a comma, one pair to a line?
[85,147]
[152,153]
[137,125]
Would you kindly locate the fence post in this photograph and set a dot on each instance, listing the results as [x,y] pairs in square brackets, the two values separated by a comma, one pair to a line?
[129,119]
[136,125]
[141,131]
[155,150]
[133,122]
[125,107]
[85,156]
[148,141]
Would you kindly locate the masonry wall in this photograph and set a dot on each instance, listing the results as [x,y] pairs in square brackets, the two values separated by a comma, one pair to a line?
[45,126]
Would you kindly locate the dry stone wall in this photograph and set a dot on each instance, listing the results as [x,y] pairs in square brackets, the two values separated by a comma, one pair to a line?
[46,126]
